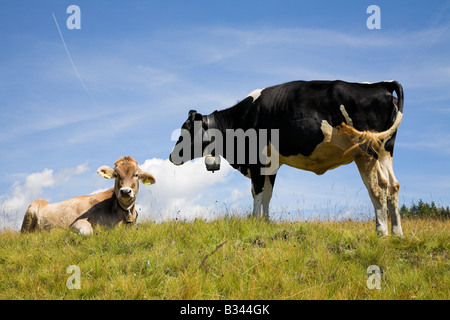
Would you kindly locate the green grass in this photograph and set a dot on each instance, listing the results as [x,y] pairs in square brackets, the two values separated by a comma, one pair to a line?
[229,259]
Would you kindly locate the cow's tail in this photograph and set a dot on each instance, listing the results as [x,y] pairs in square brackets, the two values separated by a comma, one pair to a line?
[372,139]
[392,86]
[31,216]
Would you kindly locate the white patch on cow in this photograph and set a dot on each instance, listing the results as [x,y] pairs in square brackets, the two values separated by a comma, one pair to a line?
[255,94]
[257,202]
[266,196]
[327,131]
[346,116]
[327,155]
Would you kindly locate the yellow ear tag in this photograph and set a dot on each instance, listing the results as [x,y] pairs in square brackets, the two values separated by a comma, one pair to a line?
[106,176]
[147,181]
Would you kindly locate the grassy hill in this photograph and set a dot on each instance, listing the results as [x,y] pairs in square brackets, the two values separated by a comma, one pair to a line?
[229,259]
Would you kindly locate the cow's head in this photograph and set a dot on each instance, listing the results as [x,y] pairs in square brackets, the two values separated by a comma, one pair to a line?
[190,144]
[127,176]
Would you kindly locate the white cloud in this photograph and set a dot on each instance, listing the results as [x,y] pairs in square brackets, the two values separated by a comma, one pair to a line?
[65,174]
[20,196]
[23,194]
[236,194]
[182,192]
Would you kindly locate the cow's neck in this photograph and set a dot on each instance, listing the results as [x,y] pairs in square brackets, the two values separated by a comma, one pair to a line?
[118,208]
[221,121]
[125,209]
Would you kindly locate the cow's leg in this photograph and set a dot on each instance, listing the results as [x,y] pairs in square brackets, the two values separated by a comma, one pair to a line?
[269,181]
[83,227]
[257,198]
[392,195]
[262,187]
[376,183]
[257,191]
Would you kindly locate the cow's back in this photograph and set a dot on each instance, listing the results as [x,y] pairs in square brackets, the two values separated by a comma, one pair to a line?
[297,109]
[43,215]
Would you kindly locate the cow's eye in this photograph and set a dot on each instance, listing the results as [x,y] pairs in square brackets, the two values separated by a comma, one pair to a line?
[136,175]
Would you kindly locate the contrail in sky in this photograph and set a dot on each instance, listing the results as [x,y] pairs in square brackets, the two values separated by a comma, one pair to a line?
[71,61]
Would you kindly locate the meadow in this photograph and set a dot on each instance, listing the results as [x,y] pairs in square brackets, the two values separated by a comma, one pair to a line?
[230,258]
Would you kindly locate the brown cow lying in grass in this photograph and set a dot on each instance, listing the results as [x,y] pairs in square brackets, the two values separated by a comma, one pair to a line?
[110,208]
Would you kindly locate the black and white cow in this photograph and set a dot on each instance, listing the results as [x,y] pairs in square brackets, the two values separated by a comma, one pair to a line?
[321,125]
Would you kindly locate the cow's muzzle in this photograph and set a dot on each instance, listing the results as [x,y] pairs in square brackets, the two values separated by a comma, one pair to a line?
[126,193]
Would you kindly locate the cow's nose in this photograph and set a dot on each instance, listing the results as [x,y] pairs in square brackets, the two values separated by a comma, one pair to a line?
[126,192]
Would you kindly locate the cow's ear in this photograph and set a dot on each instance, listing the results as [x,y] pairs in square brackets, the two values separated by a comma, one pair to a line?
[105,172]
[195,116]
[146,178]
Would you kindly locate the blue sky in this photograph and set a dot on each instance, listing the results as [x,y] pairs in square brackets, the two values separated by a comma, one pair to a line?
[143,64]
